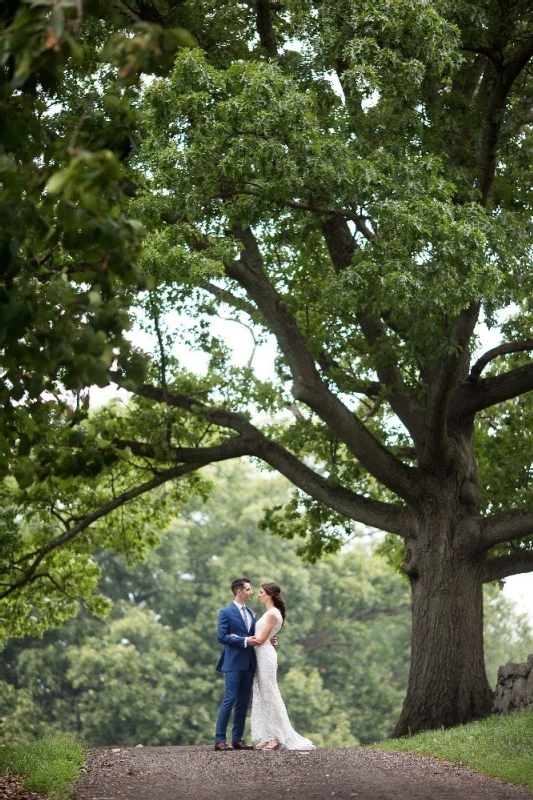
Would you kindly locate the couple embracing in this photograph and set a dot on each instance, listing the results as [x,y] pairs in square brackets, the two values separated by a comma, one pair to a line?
[250,661]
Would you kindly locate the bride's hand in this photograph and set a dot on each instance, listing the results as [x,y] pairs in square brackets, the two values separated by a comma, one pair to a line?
[234,635]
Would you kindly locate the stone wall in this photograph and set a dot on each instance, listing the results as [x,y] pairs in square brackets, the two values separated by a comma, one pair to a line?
[515,687]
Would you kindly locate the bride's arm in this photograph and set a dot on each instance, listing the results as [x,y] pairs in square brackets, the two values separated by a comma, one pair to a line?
[267,628]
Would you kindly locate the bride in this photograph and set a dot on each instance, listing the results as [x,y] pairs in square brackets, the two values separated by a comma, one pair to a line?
[270,721]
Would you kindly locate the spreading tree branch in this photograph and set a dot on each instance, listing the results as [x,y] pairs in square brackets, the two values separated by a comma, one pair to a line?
[502,567]
[444,378]
[352,100]
[341,245]
[234,447]
[265,30]
[163,364]
[471,397]
[495,352]
[385,516]
[517,64]
[358,219]
[501,82]
[487,52]
[505,526]
[308,386]
[345,381]
[225,296]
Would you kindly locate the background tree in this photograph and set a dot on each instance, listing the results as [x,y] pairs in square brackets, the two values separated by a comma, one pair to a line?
[365,200]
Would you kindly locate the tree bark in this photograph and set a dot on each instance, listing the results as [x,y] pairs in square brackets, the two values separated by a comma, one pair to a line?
[447,683]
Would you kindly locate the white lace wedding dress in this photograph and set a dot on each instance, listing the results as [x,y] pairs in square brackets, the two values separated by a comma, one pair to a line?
[269,717]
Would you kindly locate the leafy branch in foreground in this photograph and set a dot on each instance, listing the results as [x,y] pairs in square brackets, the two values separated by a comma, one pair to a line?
[69,270]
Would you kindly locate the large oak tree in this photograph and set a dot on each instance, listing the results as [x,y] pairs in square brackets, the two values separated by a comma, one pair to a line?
[354,180]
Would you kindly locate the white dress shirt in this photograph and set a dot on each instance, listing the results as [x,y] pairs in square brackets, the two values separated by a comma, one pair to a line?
[248,624]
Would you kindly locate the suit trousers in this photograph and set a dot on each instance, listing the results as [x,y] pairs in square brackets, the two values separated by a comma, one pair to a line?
[236,695]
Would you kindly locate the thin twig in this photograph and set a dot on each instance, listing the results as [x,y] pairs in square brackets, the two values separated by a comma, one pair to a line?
[248,328]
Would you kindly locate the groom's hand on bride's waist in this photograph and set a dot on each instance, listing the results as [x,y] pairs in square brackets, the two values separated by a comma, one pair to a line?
[251,641]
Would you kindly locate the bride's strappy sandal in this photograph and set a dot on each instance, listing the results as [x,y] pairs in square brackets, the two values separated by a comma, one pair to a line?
[273,745]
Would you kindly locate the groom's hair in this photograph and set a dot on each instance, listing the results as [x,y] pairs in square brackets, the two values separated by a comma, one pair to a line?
[239,584]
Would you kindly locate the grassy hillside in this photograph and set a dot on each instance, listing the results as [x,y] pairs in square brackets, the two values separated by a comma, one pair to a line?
[497,746]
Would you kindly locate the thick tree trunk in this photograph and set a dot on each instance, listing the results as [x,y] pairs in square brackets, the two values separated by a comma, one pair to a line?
[447,682]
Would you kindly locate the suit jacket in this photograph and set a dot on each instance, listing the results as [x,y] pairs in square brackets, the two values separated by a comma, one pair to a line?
[235,655]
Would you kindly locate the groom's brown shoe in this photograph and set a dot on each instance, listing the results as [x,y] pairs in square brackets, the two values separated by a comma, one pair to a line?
[240,745]
[223,746]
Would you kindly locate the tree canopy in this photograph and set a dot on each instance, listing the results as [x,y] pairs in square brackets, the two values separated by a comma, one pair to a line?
[355,182]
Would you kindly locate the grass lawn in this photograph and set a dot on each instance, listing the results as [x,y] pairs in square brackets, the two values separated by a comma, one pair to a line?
[498,746]
[49,765]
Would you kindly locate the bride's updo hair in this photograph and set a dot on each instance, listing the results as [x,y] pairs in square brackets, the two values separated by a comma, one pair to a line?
[274,591]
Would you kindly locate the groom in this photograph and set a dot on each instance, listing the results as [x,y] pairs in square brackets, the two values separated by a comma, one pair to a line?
[236,628]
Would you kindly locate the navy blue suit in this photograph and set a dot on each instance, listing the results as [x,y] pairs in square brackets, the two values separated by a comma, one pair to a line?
[237,662]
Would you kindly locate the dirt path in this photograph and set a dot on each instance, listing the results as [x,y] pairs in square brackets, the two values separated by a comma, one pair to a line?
[200,773]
